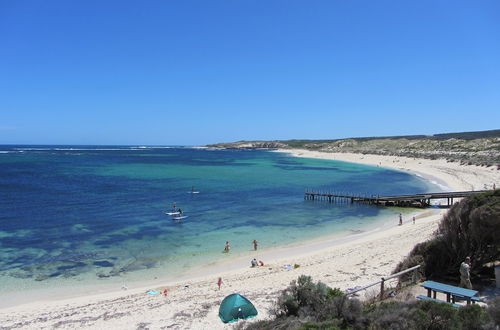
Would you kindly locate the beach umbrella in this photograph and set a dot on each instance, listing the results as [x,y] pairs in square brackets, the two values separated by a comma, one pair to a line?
[235,307]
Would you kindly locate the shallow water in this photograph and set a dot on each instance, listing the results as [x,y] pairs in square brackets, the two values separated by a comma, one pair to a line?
[96,214]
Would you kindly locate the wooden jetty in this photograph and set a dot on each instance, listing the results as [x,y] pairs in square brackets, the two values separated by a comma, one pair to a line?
[411,200]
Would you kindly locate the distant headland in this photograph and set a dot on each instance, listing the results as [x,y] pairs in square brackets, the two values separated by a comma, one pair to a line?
[473,148]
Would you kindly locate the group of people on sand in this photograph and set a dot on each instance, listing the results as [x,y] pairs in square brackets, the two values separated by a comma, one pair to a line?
[227,247]
[256,263]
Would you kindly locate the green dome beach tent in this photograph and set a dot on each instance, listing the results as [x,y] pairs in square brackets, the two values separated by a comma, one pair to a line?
[235,307]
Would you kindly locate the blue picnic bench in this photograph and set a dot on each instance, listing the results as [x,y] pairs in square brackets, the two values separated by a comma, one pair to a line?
[453,293]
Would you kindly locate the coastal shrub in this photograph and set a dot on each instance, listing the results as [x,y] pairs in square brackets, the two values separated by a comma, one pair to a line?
[426,315]
[347,311]
[290,323]
[304,298]
[333,310]
[392,315]
[473,317]
[328,325]
[318,305]
[494,310]
[470,228]
[473,226]
[430,255]
[434,316]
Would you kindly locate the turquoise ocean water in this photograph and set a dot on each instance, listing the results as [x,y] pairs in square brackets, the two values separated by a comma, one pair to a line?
[85,214]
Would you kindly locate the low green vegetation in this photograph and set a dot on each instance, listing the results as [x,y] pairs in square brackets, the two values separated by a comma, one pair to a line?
[308,305]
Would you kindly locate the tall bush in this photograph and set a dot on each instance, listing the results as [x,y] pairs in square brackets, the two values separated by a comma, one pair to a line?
[304,298]
[470,228]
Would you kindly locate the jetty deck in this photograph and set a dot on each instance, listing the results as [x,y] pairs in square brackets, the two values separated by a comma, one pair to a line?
[409,200]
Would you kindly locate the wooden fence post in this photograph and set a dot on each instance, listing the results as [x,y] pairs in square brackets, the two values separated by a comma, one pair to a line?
[382,289]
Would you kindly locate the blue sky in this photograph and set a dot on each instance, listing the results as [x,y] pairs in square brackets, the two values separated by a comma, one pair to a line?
[198,72]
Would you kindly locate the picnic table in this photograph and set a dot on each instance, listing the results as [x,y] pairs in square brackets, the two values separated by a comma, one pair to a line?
[452,292]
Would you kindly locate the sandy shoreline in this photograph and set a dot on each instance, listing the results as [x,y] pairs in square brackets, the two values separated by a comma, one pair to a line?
[454,176]
[192,303]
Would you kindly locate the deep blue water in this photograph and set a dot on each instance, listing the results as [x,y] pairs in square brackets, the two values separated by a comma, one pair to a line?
[98,212]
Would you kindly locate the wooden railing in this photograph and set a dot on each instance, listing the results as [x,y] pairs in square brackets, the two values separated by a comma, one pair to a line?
[382,282]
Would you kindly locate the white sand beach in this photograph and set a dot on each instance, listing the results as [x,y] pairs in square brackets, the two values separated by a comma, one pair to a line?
[193,302]
[454,176]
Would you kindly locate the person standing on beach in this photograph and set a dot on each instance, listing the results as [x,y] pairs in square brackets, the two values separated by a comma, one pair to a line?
[400,219]
[255,244]
[227,247]
[413,220]
[465,274]
[219,282]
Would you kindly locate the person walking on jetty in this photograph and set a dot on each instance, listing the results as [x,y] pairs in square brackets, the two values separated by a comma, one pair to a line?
[255,244]
[465,274]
